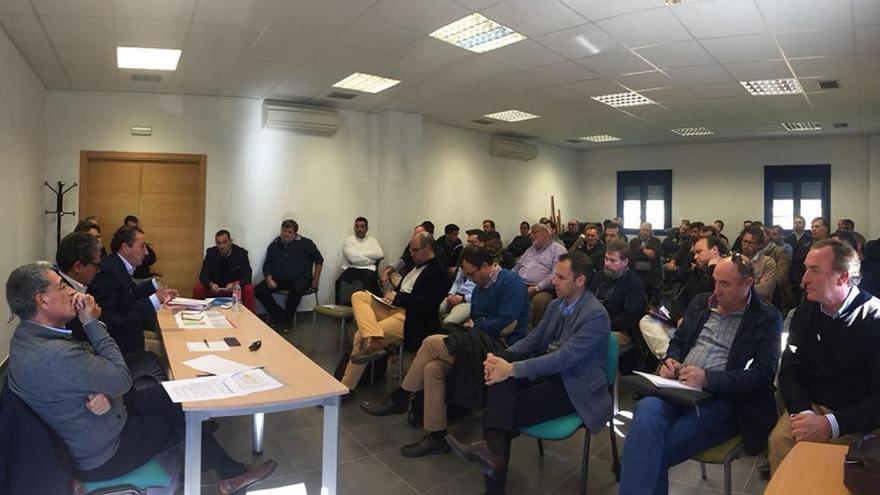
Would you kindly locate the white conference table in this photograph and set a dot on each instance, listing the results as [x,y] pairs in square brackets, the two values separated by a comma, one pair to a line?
[305,385]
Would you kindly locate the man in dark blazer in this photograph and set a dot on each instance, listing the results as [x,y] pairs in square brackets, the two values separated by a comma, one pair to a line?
[728,346]
[408,312]
[557,369]
[225,264]
[128,308]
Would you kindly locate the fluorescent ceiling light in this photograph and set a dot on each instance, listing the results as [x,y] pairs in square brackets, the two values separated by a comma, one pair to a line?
[629,99]
[366,83]
[600,138]
[511,115]
[693,131]
[130,57]
[477,33]
[802,126]
[773,87]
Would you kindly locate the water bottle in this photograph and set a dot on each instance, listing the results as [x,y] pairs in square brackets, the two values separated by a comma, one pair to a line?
[236,297]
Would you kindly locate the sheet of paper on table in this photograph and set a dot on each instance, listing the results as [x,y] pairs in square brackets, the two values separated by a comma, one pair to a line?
[217,365]
[211,320]
[220,387]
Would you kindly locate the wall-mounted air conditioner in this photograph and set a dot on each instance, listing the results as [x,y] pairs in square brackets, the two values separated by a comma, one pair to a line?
[512,148]
[300,118]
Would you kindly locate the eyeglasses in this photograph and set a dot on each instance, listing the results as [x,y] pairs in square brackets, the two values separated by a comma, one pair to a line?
[90,262]
[469,274]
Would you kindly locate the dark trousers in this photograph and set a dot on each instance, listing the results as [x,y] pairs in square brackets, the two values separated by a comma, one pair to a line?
[156,424]
[298,287]
[145,368]
[515,403]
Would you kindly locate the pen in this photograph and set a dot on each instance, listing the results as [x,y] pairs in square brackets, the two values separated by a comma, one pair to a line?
[206,343]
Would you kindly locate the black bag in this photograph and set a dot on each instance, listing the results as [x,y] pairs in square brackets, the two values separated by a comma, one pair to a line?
[861,470]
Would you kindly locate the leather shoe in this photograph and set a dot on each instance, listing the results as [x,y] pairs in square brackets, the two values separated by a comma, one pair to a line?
[383,407]
[478,453]
[426,446]
[253,475]
[373,348]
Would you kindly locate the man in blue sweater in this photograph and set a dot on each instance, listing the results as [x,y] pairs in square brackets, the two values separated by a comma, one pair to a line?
[558,369]
[499,315]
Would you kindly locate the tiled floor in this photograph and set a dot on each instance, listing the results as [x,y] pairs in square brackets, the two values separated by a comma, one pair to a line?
[370,461]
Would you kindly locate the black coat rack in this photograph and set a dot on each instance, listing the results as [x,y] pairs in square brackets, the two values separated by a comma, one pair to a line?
[59,207]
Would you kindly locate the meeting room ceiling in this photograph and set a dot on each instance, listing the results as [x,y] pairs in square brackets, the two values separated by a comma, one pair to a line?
[689,58]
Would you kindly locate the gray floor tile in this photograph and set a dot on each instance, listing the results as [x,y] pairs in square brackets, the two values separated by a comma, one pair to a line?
[425,472]
[304,448]
[365,476]
[689,472]
[600,480]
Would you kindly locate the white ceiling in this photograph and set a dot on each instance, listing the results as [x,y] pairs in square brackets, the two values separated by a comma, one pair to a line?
[688,58]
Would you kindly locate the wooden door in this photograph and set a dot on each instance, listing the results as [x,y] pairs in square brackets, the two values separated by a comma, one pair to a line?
[165,191]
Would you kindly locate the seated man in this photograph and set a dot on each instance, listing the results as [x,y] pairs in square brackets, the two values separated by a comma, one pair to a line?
[752,240]
[78,260]
[92,229]
[591,244]
[520,243]
[773,249]
[128,308]
[500,310]
[401,266]
[456,308]
[571,234]
[361,254]
[727,345]
[536,267]
[225,264]
[830,372]
[142,271]
[407,312]
[645,253]
[558,369]
[292,262]
[450,243]
[620,290]
[492,241]
[82,392]
[657,334]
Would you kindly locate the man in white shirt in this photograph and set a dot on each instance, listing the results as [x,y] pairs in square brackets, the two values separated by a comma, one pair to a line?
[360,257]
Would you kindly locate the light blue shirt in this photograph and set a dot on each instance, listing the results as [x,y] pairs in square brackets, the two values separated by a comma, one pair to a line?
[462,286]
[154,299]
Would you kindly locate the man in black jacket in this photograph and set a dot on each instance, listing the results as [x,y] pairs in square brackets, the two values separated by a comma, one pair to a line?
[408,312]
[590,243]
[728,346]
[128,308]
[142,271]
[225,264]
[830,373]
[292,262]
[620,290]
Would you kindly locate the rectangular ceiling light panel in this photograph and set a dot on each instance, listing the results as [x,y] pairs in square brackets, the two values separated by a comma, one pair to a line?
[512,115]
[693,131]
[768,87]
[600,138]
[131,57]
[477,33]
[366,83]
[629,99]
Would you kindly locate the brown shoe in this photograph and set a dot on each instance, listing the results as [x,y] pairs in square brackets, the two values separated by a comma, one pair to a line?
[253,475]
[372,348]
[478,453]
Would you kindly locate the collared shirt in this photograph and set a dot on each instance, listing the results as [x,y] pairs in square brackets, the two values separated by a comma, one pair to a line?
[154,299]
[536,266]
[853,293]
[712,348]
[81,288]
[462,286]
[493,277]
[568,309]
[57,330]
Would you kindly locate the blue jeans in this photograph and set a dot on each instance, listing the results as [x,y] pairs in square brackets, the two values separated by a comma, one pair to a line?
[663,435]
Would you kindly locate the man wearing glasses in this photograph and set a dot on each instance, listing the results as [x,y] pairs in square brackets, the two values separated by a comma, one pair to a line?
[499,315]
[78,260]
[752,240]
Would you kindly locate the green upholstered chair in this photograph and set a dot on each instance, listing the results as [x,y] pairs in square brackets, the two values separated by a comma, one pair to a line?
[149,475]
[566,426]
[724,453]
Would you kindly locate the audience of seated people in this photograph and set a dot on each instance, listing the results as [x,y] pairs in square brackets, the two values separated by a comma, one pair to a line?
[225,265]
[408,312]
[499,315]
[292,263]
[536,267]
[84,393]
[361,255]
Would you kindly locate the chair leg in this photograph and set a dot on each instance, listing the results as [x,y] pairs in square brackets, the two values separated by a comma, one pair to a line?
[400,351]
[728,474]
[703,470]
[615,459]
[540,447]
[315,330]
[585,462]
[341,334]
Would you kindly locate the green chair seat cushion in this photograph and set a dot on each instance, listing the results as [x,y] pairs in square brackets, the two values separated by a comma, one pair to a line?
[554,429]
[335,311]
[716,454]
[149,475]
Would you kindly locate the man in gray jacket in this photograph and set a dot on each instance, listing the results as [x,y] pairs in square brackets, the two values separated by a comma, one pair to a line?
[82,390]
[557,369]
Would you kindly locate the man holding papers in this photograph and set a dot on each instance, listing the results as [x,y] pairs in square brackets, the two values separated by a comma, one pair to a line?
[728,346]
[83,392]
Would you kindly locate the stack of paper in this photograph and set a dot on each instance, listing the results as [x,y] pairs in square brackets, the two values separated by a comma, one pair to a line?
[198,304]
[202,320]
[229,379]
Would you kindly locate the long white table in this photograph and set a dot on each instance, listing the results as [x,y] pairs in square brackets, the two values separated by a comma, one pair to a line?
[306,385]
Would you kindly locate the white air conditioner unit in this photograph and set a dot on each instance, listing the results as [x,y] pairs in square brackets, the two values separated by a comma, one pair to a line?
[511,148]
[300,118]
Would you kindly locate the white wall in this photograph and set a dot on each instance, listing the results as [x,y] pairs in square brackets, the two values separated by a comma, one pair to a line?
[391,167]
[22,142]
[726,180]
